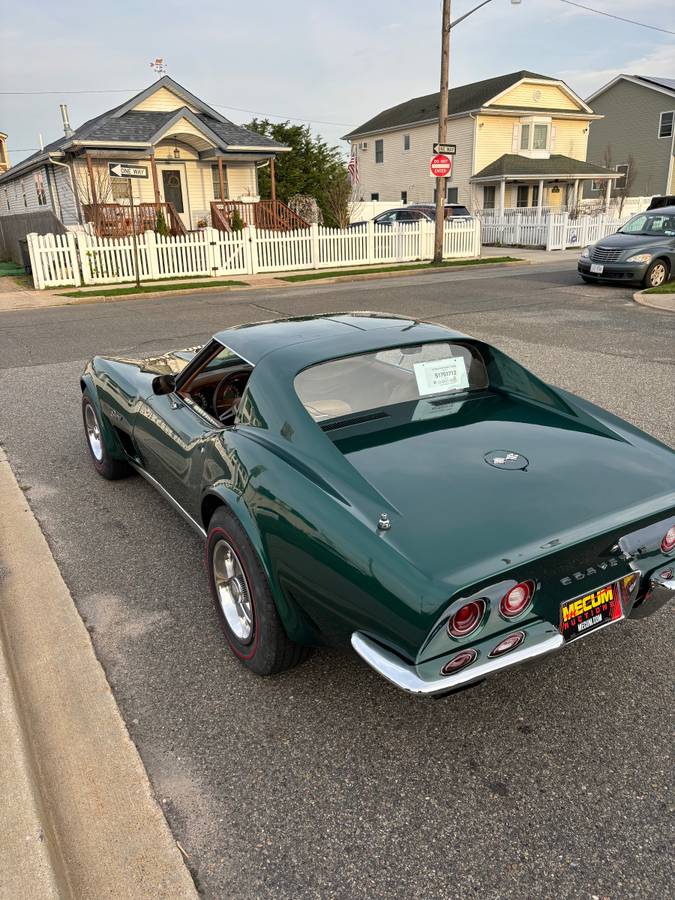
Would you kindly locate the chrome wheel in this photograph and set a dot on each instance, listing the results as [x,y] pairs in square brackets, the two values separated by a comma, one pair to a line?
[657,275]
[232,590]
[93,432]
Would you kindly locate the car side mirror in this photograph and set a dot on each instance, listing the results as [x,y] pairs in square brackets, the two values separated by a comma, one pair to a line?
[164,384]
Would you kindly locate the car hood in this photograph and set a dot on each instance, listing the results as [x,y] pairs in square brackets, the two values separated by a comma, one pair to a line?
[628,241]
[171,363]
[459,518]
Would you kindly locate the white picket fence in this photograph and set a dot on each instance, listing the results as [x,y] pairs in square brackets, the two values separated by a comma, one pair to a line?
[550,231]
[73,259]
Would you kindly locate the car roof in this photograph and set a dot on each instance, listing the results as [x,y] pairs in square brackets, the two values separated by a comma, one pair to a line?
[328,336]
[660,211]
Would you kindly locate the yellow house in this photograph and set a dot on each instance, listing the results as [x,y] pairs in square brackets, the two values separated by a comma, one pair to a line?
[521,142]
[178,161]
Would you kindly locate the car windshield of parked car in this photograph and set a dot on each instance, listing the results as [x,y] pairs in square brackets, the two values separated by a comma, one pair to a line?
[425,374]
[650,225]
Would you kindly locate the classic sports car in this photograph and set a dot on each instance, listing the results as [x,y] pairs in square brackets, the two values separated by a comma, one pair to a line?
[371,478]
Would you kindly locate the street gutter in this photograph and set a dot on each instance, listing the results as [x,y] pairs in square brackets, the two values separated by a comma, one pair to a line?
[94,826]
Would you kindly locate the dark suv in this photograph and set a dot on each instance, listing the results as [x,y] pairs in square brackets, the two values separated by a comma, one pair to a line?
[642,250]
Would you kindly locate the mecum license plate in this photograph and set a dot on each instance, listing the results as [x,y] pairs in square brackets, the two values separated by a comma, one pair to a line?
[597,269]
[590,611]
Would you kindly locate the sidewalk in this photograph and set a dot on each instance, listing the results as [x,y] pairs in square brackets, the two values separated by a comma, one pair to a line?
[13,296]
[78,815]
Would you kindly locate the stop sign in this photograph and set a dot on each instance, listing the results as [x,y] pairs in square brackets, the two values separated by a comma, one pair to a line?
[440,165]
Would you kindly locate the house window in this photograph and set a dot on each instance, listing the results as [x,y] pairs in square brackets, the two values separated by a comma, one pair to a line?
[375,196]
[540,137]
[404,197]
[406,142]
[40,189]
[525,137]
[379,151]
[596,185]
[522,194]
[453,193]
[23,192]
[489,196]
[216,183]
[120,189]
[623,169]
[666,124]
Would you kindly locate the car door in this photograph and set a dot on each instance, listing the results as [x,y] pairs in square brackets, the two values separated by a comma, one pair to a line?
[171,433]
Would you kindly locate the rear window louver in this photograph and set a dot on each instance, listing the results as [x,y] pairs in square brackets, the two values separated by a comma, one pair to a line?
[355,420]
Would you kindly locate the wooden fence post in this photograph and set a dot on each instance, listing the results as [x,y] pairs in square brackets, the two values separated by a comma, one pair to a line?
[85,259]
[251,249]
[35,261]
[370,241]
[74,263]
[150,245]
[314,238]
[549,231]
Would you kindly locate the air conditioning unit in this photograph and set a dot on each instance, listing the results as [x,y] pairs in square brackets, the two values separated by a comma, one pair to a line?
[363,145]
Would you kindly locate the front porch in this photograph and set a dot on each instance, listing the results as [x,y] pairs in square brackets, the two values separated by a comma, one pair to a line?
[515,183]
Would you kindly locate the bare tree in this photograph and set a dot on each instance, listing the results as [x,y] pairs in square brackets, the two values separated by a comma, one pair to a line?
[623,186]
[338,197]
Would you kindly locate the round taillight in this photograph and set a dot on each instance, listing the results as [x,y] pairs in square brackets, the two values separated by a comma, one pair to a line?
[461,659]
[510,643]
[466,619]
[668,542]
[516,600]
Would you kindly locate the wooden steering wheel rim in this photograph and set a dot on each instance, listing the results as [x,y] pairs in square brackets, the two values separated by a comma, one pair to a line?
[220,390]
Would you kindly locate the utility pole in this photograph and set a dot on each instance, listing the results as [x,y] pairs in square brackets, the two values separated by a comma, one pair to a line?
[442,130]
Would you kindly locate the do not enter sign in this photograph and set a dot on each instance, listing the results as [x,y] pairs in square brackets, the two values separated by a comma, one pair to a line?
[440,166]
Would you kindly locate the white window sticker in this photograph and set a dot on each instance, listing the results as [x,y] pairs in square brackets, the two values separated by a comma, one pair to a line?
[441,375]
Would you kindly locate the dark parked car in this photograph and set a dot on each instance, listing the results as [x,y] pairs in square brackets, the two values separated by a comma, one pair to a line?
[643,250]
[406,214]
[659,202]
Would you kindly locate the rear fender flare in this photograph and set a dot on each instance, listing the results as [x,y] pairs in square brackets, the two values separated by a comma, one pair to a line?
[298,627]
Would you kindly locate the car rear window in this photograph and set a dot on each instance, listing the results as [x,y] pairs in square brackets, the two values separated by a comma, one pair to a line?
[355,385]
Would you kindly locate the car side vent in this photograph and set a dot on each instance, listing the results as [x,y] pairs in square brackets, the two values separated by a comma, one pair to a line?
[354,420]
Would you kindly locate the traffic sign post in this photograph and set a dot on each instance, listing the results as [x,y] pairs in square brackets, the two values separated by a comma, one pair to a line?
[446,149]
[440,166]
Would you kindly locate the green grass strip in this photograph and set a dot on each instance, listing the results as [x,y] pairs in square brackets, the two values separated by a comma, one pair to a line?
[668,287]
[7,267]
[376,270]
[153,289]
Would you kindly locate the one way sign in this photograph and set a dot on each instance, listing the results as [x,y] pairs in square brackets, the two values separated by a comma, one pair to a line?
[120,170]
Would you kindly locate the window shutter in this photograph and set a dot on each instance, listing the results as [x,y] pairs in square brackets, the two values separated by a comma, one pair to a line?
[515,144]
[552,147]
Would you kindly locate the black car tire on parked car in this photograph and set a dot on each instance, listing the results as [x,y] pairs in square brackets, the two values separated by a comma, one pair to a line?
[656,274]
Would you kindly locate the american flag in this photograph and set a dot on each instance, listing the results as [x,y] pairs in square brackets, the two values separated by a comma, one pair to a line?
[353,166]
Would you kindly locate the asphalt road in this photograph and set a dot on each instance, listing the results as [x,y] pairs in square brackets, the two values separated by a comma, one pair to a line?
[327,782]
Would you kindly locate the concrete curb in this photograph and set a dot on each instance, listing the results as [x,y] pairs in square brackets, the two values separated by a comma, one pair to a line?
[101,830]
[663,302]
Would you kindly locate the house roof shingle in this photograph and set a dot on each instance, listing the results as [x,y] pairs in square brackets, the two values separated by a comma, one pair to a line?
[139,126]
[460,99]
[513,165]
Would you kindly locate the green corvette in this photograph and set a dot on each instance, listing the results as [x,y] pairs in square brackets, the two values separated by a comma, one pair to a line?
[379,480]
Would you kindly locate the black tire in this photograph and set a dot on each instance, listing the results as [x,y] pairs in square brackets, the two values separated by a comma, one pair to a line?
[268,649]
[589,280]
[105,464]
[657,273]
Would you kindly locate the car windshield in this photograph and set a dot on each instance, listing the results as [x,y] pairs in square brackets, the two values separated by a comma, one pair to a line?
[650,224]
[422,374]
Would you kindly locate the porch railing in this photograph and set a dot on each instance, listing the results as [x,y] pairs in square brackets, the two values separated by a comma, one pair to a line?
[272,215]
[115,219]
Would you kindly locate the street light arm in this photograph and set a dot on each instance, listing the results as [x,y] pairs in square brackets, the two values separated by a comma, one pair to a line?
[467,14]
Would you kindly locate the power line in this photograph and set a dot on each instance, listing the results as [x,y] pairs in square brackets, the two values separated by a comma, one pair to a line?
[601,12]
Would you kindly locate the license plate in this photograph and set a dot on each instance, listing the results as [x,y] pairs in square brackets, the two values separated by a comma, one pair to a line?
[590,611]
[597,269]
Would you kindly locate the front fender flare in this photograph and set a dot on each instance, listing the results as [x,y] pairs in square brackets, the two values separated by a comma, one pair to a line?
[112,442]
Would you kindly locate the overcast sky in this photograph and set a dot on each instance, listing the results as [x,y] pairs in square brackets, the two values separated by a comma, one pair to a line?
[323,61]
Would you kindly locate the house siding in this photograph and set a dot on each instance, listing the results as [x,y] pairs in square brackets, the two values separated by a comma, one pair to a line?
[163,100]
[65,202]
[15,189]
[630,127]
[408,170]
[550,97]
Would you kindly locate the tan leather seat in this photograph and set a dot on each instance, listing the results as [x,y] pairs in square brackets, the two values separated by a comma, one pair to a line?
[327,409]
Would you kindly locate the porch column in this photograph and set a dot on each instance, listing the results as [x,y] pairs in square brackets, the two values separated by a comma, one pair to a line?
[608,194]
[273,179]
[575,194]
[155,179]
[502,196]
[540,198]
[92,180]
[221,179]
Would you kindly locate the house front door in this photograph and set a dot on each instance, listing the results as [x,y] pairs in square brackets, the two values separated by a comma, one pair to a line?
[173,190]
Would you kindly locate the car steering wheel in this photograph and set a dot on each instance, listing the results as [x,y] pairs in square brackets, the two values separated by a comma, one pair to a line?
[227,396]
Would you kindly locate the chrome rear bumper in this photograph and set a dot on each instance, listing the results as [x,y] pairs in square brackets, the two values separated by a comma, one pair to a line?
[661,590]
[421,680]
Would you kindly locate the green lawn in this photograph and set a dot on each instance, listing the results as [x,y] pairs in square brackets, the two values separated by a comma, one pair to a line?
[7,267]
[667,287]
[152,288]
[376,270]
